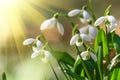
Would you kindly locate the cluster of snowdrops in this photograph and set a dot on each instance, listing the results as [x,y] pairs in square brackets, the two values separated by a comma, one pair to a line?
[91,63]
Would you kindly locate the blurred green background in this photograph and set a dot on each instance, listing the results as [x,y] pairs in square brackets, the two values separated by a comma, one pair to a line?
[23,20]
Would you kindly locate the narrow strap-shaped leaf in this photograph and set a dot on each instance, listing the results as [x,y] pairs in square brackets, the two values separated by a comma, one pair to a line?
[100,61]
[63,57]
[4,76]
[101,38]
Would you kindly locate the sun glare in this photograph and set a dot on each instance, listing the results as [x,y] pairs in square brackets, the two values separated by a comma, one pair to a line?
[12,25]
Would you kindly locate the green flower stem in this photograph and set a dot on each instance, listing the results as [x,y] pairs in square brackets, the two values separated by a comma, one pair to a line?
[63,70]
[91,10]
[53,71]
[83,64]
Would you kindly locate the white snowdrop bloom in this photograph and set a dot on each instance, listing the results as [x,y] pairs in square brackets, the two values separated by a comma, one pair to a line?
[113,23]
[109,18]
[85,17]
[76,39]
[50,23]
[87,54]
[28,41]
[88,33]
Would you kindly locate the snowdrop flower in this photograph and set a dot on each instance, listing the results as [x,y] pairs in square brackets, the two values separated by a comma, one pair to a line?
[109,18]
[37,46]
[84,15]
[76,39]
[113,23]
[38,49]
[88,33]
[50,23]
[87,54]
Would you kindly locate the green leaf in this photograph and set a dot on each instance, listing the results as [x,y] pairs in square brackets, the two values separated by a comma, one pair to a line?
[4,76]
[77,66]
[74,75]
[100,61]
[63,57]
[107,11]
[117,43]
[101,39]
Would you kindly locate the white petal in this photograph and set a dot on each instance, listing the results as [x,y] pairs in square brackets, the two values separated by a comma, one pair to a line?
[74,39]
[48,24]
[74,12]
[47,54]
[93,32]
[99,20]
[111,19]
[93,56]
[35,54]
[112,28]
[85,55]
[86,17]
[85,37]
[39,44]
[83,20]
[28,41]
[83,30]
[60,28]
[51,23]
[44,25]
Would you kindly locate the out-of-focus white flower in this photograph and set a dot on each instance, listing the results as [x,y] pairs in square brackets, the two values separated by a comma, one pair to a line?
[84,15]
[88,33]
[76,39]
[37,49]
[113,23]
[87,54]
[50,23]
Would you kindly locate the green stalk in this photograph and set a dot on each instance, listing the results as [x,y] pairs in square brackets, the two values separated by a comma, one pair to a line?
[53,71]
[83,64]
[91,10]
[100,62]
[63,70]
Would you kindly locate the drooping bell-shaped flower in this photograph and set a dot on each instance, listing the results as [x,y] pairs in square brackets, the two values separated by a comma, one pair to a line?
[111,26]
[76,39]
[88,33]
[50,23]
[102,19]
[87,55]
[84,15]
[37,46]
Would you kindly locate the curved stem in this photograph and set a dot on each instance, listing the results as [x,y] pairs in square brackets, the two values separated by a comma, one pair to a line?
[83,64]
[53,71]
